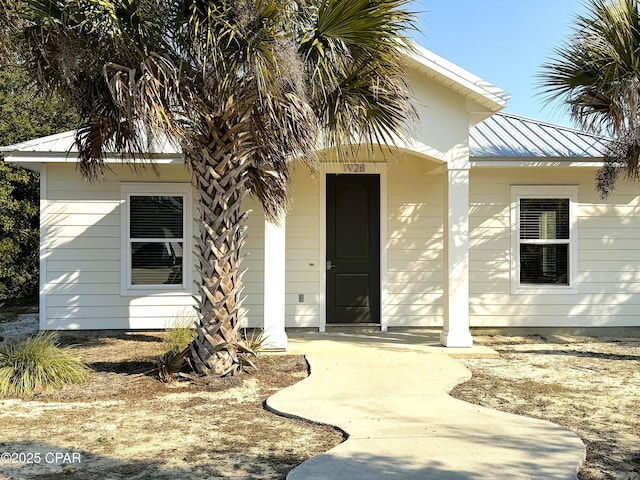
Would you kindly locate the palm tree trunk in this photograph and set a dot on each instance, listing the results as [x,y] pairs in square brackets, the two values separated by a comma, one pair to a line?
[219,175]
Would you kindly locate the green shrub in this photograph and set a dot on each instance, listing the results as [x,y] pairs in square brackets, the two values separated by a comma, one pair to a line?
[176,339]
[175,349]
[38,362]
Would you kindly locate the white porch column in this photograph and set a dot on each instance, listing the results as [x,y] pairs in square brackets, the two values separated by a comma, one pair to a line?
[455,332]
[275,337]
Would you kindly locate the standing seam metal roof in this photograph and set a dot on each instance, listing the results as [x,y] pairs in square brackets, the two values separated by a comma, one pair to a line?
[506,135]
[501,135]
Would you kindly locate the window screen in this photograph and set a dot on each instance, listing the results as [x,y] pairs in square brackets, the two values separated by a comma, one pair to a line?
[156,236]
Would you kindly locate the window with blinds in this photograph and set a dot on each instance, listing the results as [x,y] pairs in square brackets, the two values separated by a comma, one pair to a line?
[156,238]
[544,241]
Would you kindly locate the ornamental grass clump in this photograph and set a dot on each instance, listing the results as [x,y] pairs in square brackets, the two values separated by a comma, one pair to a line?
[175,350]
[178,338]
[38,362]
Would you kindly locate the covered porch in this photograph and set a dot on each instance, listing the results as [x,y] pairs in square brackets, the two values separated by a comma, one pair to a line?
[414,229]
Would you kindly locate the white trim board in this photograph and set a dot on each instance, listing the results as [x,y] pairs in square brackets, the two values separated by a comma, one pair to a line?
[544,191]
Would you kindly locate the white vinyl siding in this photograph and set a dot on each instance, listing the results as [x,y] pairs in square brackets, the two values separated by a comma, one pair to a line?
[302,279]
[606,277]
[82,255]
[302,257]
[544,239]
[82,252]
[415,244]
[252,309]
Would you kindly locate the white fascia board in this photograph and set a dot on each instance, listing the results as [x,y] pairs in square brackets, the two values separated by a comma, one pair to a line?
[537,162]
[471,86]
[32,158]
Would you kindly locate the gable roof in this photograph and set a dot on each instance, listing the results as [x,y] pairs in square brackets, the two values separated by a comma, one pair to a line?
[457,79]
[505,135]
[502,135]
[61,147]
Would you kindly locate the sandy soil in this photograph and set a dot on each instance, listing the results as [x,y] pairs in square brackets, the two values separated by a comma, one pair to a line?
[123,425]
[588,385]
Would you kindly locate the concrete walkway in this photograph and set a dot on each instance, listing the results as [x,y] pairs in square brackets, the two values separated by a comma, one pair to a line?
[388,393]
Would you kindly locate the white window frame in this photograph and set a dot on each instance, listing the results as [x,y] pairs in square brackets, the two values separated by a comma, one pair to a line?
[127,190]
[569,192]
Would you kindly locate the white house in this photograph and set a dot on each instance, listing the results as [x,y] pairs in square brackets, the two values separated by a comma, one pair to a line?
[481,220]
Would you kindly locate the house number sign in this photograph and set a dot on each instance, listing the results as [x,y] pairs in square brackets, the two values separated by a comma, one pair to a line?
[354,167]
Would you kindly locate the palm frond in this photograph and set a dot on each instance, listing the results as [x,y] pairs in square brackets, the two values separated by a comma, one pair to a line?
[245,86]
[359,91]
[621,159]
[597,71]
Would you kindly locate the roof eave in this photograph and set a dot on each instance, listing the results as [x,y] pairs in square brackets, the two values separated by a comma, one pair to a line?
[530,162]
[483,93]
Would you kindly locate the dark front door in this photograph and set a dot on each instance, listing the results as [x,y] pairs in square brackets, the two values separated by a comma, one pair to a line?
[353,249]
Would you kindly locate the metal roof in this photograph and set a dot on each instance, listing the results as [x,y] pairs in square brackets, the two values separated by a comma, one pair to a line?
[506,135]
[60,142]
[64,143]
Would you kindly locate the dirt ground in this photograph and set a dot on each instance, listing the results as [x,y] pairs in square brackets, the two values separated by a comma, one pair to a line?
[123,425]
[589,385]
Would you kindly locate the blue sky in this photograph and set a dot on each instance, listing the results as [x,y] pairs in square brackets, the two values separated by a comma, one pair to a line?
[504,42]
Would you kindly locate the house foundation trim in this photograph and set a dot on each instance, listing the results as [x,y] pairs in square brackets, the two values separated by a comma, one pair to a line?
[455,331]
[275,337]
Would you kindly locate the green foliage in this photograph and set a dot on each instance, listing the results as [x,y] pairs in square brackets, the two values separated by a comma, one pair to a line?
[23,115]
[19,233]
[175,350]
[176,339]
[596,73]
[38,362]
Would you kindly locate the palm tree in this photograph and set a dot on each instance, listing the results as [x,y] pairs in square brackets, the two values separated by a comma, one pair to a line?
[597,74]
[244,87]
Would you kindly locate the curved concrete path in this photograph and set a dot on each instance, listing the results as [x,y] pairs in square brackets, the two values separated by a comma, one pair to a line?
[388,392]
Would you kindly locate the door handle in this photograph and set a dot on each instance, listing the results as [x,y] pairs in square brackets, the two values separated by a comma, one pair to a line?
[330,265]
